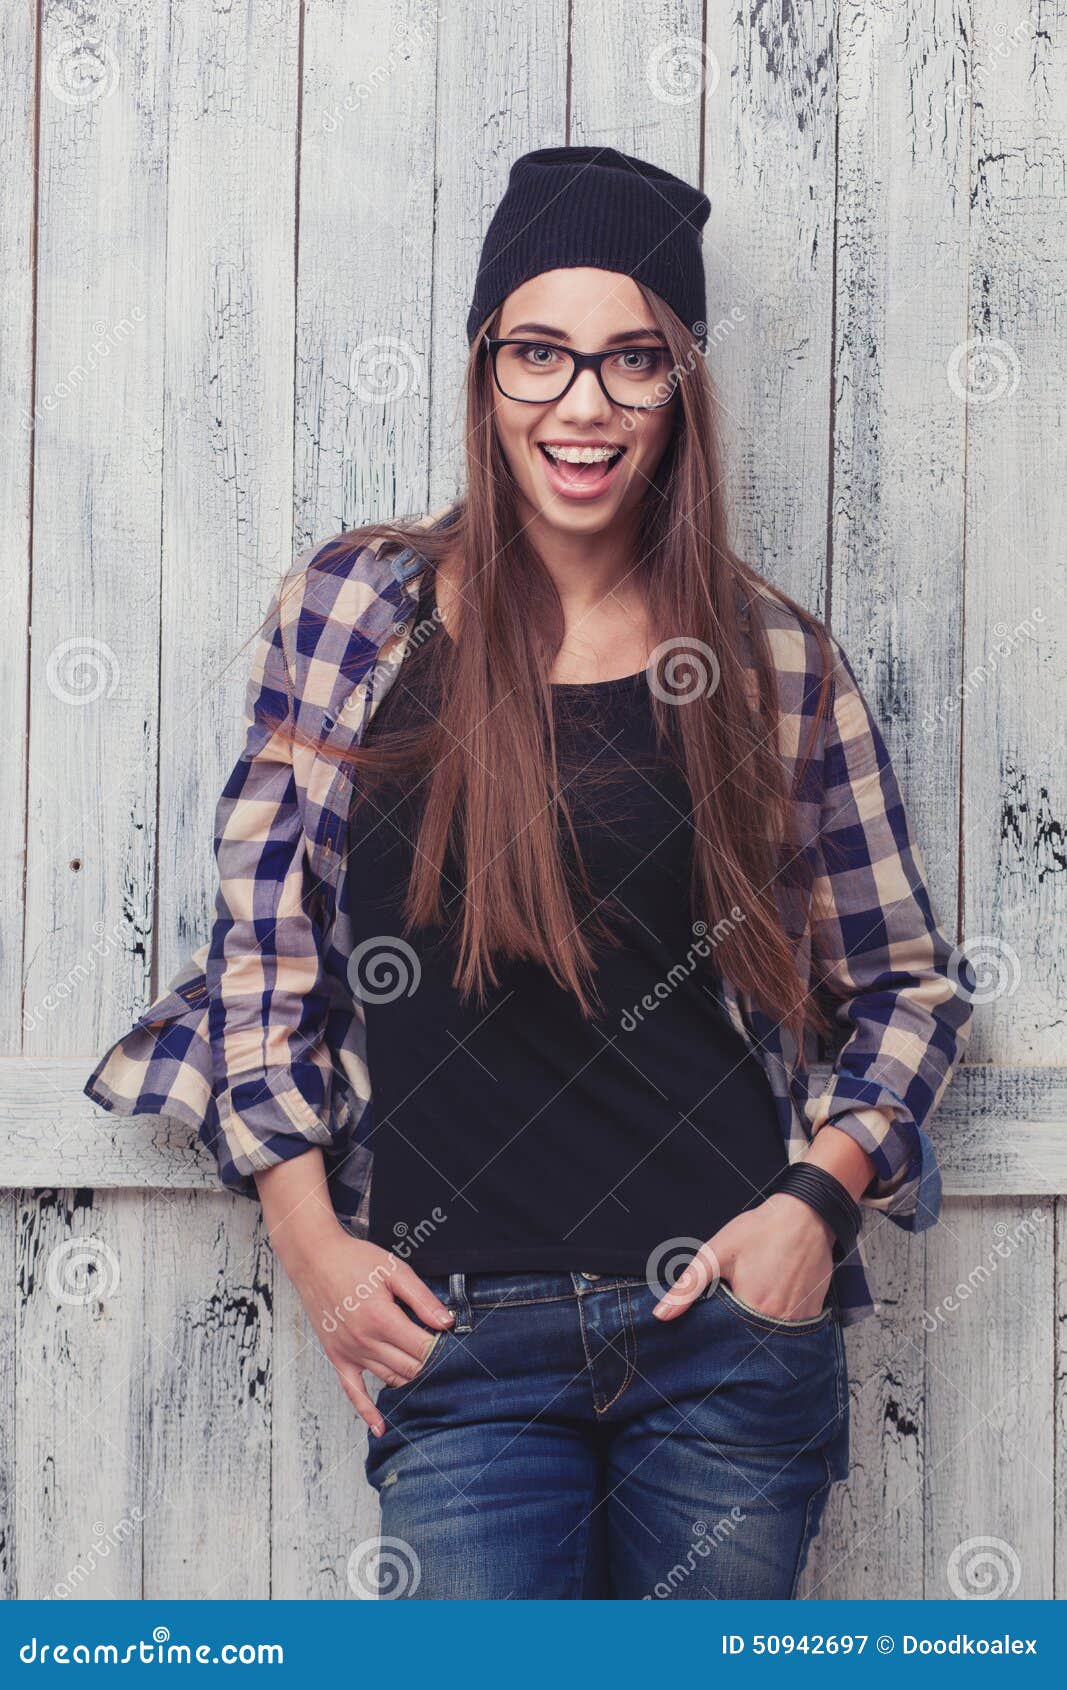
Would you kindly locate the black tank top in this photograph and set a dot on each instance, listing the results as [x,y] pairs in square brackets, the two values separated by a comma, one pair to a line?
[518,1135]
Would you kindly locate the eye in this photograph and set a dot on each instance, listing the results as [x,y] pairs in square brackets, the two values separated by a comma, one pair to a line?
[528,355]
[645,360]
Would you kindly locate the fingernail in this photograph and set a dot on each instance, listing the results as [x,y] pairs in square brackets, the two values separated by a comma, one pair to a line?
[444,1317]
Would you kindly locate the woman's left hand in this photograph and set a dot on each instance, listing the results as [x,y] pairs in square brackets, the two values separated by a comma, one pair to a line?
[777,1258]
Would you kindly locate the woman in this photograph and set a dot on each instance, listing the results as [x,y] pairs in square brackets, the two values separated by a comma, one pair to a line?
[557,838]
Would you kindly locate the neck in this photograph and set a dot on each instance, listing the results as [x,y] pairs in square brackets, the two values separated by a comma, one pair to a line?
[587,568]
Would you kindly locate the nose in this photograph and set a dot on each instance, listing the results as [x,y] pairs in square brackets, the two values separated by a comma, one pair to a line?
[586,402]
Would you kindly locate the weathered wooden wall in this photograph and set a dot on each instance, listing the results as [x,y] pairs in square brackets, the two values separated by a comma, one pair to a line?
[238,252]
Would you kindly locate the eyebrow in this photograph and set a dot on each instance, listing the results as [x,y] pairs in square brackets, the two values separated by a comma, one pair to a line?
[561,334]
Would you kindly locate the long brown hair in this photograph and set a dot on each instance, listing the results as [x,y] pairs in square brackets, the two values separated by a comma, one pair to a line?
[487,762]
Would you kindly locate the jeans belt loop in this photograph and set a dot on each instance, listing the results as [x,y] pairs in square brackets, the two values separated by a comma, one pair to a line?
[459,1300]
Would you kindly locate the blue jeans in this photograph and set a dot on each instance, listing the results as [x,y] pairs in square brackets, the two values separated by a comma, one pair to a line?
[560,1442]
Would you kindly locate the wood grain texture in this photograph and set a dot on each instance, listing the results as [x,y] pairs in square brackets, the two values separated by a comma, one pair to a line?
[1014,676]
[78,1324]
[990,1421]
[513,60]
[17,280]
[207,1360]
[235,310]
[997,1131]
[770,106]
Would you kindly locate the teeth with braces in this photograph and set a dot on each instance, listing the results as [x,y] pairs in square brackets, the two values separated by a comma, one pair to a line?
[583,454]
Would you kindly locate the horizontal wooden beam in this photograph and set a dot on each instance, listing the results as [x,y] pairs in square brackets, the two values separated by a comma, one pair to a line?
[999,1132]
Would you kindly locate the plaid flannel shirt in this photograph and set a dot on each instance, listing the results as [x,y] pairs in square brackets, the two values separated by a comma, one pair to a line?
[258,1044]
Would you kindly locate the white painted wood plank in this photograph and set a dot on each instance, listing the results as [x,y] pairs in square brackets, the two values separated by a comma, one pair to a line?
[990,1417]
[323,1508]
[997,1131]
[1015,675]
[78,1429]
[639,88]
[1059,1395]
[769,173]
[362,400]
[9,1390]
[871,1541]
[898,467]
[17,53]
[228,441]
[208,1334]
[97,490]
[503,76]
[362,408]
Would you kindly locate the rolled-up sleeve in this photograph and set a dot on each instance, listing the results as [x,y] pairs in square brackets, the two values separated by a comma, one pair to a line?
[265,978]
[903,993]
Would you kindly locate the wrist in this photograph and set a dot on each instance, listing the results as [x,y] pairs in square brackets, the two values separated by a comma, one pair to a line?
[827,1196]
[797,1213]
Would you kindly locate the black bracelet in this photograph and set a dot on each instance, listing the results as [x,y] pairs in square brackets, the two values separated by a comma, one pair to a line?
[826,1195]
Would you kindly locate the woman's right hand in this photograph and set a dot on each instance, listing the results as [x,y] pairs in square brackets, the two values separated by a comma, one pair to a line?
[352,1290]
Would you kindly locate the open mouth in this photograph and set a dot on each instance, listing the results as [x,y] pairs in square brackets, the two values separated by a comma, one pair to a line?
[580,478]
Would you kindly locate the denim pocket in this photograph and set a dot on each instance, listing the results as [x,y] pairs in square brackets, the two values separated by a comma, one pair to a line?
[770,1322]
[431,1355]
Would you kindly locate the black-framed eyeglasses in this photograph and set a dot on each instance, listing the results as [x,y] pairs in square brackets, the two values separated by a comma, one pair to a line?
[532,380]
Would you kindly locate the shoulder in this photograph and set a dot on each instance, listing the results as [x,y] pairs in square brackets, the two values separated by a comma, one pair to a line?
[349,577]
[802,650]
[326,578]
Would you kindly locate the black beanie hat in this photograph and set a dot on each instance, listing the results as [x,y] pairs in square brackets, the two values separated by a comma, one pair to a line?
[570,206]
